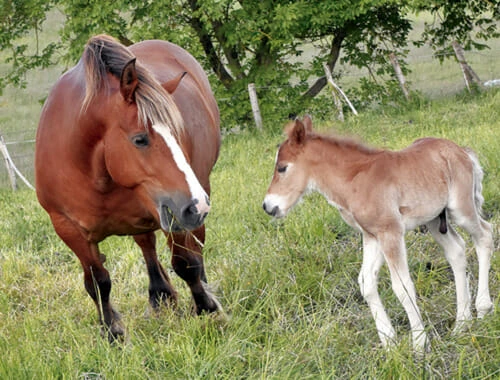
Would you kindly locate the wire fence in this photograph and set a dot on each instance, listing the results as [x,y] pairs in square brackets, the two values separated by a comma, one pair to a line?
[427,75]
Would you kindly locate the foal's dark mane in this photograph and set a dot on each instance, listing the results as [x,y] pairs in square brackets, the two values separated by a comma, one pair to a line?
[155,105]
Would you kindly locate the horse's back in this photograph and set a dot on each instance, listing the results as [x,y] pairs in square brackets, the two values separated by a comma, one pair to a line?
[440,152]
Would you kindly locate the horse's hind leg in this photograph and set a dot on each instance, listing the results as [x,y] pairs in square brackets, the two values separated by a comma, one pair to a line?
[483,240]
[187,261]
[482,236]
[160,288]
[454,250]
[96,277]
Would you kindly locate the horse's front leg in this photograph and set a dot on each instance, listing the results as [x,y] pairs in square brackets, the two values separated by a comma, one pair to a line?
[187,261]
[96,278]
[160,288]
[373,260]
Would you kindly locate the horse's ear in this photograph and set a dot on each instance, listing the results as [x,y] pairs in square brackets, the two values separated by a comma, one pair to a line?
[298,133]
[172,84]
[308,124]
[129,81]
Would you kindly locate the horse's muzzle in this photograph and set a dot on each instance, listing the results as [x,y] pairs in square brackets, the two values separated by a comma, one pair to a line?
[175,217]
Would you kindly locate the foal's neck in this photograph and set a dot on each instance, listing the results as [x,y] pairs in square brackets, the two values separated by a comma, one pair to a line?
[336,162]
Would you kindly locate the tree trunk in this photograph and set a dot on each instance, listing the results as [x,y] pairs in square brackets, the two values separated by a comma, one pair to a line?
[470,77]
[399,75]
[208,47]
[332,60]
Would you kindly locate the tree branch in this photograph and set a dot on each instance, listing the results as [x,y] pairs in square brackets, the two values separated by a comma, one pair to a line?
[333,56]
[206,42]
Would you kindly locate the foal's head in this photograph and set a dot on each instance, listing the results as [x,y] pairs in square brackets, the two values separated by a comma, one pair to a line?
[290,180]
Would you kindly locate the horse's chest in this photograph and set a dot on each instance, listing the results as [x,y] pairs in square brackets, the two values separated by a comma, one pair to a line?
[113,214]
[347,216]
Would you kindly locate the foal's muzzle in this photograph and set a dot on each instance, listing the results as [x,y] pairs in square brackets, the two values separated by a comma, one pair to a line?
[273,211]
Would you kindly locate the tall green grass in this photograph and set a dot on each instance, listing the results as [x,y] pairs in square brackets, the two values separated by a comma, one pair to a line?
[289,287]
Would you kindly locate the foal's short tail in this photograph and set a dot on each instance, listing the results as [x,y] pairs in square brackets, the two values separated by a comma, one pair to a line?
[478,174]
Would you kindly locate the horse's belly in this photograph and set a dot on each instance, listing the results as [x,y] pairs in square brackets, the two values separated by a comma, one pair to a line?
[114,226]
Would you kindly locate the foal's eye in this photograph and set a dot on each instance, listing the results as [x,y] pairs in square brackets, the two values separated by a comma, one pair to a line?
[282,168]
[141,140]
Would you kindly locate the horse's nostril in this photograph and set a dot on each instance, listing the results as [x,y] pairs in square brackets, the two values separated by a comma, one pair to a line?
[190,209]
[274,211]
[271,212]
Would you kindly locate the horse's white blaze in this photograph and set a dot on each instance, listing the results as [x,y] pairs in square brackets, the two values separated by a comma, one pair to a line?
[197,191]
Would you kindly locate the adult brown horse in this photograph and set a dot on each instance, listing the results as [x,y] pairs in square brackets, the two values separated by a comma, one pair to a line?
[125,145]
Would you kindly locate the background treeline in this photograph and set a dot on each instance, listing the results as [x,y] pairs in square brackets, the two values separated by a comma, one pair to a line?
[278,45]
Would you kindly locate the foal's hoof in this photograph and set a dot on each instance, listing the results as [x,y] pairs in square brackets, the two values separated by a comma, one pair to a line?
[484,309]
[461,326]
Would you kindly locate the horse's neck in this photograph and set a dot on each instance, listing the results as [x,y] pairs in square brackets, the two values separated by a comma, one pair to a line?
[337,163]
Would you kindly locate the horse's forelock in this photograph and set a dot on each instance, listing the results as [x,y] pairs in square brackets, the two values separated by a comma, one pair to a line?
[155,105]
[103,54]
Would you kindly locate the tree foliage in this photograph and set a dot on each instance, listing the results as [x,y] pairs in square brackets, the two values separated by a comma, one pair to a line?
[469,22]
[17,20]
[248,41]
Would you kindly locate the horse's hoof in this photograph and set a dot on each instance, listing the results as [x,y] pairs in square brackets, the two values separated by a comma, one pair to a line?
[115,333]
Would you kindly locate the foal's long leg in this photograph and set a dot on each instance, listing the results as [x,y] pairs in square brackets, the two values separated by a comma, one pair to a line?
[96,277]
[482,236]
[393,247]
[187,261]
[454,250]
[160,288]
[483,240]
[368,278]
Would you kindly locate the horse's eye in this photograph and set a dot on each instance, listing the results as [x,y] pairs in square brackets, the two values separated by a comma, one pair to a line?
[141,140]
[282,168]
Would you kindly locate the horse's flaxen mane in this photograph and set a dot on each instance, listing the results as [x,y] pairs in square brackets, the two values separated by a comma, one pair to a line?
[103,55]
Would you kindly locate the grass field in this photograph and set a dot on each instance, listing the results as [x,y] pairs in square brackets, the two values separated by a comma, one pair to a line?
[289,287]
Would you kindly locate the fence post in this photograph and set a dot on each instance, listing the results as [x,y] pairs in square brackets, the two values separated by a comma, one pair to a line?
[10,170]
[255,105]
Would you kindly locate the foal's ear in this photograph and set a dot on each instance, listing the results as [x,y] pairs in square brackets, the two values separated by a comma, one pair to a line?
[172,84]
[308,123]
[129,81]
[298,133]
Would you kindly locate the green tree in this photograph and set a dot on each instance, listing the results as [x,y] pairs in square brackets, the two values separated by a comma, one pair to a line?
[237,41]
[459,25]
[251,41]
[18,19]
